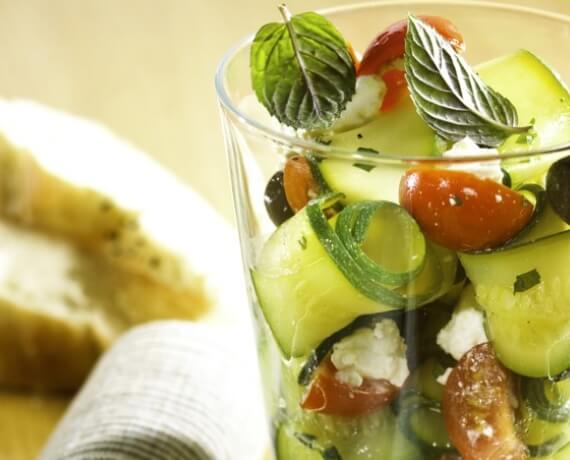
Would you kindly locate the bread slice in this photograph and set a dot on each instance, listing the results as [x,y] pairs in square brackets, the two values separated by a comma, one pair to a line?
[73,178]
[113,240]
[60,307]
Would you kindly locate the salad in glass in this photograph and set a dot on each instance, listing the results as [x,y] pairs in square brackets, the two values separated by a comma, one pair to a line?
[414,307]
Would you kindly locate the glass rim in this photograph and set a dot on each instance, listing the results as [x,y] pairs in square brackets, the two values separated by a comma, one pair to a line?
[328,151]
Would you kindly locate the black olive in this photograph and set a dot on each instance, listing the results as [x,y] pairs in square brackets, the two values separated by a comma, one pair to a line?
[275,201]
[558,188]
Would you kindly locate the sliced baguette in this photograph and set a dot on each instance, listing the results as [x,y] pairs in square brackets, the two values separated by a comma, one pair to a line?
[60,307]
[74,178]
[133,244]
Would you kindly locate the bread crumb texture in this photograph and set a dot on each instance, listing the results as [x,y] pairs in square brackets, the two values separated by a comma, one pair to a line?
[94,238]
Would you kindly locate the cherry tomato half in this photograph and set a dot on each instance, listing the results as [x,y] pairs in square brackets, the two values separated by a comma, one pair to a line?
[299,183]
[461,211]
[329,396]
[477,407]
[390,44]
[396,88]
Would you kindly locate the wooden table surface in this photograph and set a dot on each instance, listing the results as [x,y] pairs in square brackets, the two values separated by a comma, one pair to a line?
[25,423]
[143,68]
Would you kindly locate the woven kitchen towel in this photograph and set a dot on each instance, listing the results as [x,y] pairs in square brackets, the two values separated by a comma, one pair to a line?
[168,391]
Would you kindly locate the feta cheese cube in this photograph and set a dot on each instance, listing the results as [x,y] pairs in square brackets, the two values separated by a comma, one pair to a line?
[463,332]
[467,147]
[378,353]
[364,105]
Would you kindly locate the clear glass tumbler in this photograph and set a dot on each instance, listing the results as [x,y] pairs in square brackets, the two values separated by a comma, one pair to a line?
[378,340]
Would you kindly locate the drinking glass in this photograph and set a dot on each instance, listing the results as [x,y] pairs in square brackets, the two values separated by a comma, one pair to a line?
[323,305]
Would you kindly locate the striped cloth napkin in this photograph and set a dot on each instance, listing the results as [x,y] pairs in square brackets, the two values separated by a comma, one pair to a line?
[168,390]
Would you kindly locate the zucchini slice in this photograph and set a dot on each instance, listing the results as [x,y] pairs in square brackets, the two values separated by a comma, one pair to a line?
[547,399]
[314,276]
[538,95]
[303,295]
[290,445]
[374,436]
[424,379]
[400,131]
[545,440]
[358,184]
[421,420]
[529,325]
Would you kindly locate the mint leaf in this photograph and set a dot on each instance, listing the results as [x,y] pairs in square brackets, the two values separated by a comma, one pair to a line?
[450,97]
[364,166]
[302,70]
[526,281]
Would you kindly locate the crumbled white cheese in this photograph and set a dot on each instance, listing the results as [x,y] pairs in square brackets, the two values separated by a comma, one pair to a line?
[463,332]
[442,379]
[378,353]
[364,105]
[466,147]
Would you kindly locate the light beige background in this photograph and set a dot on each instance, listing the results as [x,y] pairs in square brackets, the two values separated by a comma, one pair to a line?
[145,68]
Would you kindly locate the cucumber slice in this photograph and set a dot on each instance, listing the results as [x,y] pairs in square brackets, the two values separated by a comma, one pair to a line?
[391,133]
[537,92]
[538,95]
[303,295]
[562,454]
[421,421]
[300,446]
[419,410]
[374,436]
[549,400]
[379,183]
[549,223]
[424,380]
[529,170]
[530,330]
[545,440]
[311,280]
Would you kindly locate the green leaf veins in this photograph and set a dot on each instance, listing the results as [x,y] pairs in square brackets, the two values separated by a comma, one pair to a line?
[302,70]
[449,95]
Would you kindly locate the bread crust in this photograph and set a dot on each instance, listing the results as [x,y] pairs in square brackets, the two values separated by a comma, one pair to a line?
[113,272]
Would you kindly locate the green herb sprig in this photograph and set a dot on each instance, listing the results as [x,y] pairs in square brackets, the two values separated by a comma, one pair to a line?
[302,70]
[525,281]
[450,96]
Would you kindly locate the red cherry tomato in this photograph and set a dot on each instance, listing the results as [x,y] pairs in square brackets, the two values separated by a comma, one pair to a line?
[298,181]
[329,396]
[461,211]
[389,45]
[477,407]
[396,88]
